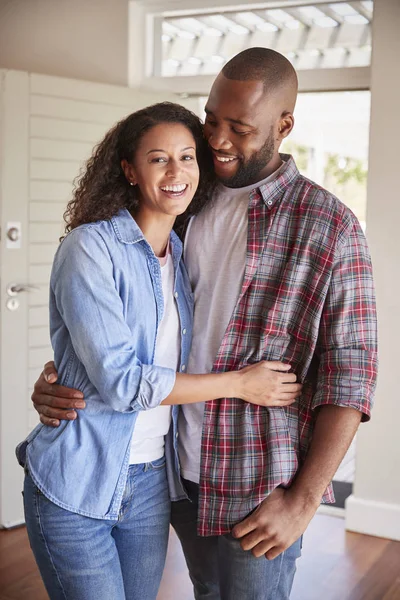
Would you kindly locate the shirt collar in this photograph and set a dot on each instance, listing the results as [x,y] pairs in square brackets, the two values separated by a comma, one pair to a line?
[128,231]
[125,227]
[285,176]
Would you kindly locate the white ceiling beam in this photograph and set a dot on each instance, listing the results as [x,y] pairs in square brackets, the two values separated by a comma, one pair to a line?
[331,13]
[296,14]
[358,7]
[187,7]
[314,80]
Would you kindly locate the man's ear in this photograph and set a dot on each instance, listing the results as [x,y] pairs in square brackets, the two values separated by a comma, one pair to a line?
[129,171]
[286,124]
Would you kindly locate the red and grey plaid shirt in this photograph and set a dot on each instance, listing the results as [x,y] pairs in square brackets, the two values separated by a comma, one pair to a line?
[307,299]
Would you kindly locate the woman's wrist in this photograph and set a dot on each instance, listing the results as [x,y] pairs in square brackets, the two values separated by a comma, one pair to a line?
[233,384]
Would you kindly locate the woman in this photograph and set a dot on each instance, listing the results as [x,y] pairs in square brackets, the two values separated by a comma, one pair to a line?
[96,494]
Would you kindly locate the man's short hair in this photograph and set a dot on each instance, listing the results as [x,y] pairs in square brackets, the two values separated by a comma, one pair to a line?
[261,64]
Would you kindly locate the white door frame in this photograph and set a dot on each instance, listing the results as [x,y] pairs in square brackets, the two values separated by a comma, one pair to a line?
[14,181]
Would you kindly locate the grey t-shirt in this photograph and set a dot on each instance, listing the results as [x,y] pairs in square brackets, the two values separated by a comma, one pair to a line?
[215,257]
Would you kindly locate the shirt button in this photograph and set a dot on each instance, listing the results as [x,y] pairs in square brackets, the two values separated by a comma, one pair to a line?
[269,202]
[184,331]
[183,367]
[176,294]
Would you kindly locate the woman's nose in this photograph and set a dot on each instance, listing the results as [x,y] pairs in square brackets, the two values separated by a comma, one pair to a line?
[174,168]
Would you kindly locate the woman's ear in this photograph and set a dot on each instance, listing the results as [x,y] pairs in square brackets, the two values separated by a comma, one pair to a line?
[129,171]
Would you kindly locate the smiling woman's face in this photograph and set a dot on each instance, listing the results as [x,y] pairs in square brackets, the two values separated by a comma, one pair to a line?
[165,169]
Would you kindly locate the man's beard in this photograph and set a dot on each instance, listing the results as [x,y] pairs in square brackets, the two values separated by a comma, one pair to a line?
[249,172]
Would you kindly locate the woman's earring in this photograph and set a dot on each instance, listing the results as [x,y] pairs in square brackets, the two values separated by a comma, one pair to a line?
[131,183]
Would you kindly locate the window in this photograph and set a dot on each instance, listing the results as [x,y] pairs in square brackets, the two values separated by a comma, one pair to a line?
[328,35]
[330,144]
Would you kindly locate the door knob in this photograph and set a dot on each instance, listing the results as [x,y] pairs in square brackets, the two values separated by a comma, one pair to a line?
[13,234]
[16,288]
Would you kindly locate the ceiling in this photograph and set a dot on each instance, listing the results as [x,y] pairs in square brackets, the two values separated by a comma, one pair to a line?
[311,36]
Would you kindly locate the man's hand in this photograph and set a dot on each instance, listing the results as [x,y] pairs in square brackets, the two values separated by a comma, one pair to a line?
[275,524]
[55,402]
[285,514]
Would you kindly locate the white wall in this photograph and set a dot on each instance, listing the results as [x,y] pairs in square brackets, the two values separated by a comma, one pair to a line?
[82,39]
[375,505]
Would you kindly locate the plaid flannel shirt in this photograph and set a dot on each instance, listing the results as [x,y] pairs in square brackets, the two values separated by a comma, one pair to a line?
[307,299]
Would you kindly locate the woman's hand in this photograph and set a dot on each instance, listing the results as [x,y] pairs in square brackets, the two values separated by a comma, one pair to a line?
[267,384]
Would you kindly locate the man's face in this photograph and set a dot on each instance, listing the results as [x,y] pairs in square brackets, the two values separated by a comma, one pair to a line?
[242,130]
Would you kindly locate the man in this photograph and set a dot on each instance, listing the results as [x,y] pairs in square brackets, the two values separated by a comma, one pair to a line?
[280,271]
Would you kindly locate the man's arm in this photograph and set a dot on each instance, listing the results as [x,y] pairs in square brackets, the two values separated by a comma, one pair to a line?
[346,380]
[285,514]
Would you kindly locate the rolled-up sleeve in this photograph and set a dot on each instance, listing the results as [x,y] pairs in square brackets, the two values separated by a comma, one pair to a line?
[347,343]
[89,305]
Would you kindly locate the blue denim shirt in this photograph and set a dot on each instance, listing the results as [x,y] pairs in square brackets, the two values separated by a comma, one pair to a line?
[106,302]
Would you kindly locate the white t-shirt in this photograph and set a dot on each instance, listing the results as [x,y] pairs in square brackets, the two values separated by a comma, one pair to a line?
[215,256]
[152,425]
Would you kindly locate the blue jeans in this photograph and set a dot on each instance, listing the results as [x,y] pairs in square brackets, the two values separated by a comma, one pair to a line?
[81,558]
[221,570]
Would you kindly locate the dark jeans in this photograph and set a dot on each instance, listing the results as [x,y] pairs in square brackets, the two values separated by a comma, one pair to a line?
[220,569]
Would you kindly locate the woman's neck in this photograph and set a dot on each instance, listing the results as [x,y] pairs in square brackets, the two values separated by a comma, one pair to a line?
[156,229]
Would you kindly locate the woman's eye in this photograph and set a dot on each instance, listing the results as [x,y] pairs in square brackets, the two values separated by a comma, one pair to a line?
[159,159]
[187,157]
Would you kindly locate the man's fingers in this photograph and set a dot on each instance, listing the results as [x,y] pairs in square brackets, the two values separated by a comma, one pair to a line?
[273,552]
[56,413]
[245,527]
[73,397]
[263,548]
[64,392]
[56,401]
[255,537]
[50,377]
[50,422]
[49,372]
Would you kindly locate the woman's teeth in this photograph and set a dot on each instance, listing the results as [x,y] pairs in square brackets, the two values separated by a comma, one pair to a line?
[174,188]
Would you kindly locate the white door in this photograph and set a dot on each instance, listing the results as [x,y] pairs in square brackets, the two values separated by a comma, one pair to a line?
[48,127]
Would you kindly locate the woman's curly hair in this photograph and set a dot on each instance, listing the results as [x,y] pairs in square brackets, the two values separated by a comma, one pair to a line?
[102,190]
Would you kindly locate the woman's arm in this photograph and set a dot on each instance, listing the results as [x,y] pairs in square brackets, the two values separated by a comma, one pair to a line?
[261,384]
[275,387]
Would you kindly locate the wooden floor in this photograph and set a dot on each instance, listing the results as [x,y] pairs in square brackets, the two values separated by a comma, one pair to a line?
[335,566]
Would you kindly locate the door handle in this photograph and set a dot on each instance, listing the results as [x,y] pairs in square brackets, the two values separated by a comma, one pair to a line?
[13,289]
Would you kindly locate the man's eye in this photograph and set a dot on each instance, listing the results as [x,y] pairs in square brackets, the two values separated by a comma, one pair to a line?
[240,132]
[209,122]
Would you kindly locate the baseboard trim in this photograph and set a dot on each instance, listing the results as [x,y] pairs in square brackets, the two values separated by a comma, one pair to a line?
[12,524]
[373,518]
[331,511]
